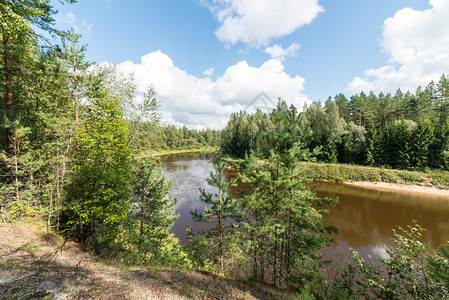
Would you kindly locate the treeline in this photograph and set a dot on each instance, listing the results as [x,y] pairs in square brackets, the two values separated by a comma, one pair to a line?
[172,137]
[404,130]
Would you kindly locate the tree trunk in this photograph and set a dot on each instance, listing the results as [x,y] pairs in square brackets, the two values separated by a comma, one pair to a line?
[75,92]
[16,170]
[8,89]
[289,243]
[142,215]
[75,89]
[282,255]
[80,228]
[220,227]
[275,248]
[255,247]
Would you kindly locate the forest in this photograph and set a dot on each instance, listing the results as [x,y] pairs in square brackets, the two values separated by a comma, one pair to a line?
[401,131]
[73,139]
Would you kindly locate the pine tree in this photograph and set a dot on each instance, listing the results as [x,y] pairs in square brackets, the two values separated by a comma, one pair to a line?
[151,215]
[371,146]
[75,59]
[18,22]
[421,140]
[442,105]
[286,232]
[220,209]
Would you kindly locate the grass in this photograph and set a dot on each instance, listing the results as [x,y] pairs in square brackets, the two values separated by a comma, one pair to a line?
[345,173]
[354,173]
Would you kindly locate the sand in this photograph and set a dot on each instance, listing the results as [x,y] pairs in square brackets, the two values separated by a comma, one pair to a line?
[413,188]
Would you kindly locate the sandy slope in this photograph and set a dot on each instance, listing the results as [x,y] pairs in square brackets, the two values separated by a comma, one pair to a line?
[37,265]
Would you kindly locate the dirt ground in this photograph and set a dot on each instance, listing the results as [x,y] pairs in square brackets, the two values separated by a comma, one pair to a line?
[35,264]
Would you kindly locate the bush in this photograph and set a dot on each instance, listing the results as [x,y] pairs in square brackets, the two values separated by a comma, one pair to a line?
[410,271]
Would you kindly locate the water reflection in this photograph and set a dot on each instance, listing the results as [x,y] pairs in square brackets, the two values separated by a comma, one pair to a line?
[188,172]
[364,217]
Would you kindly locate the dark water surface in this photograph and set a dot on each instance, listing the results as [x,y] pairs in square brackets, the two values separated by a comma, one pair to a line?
[364,217]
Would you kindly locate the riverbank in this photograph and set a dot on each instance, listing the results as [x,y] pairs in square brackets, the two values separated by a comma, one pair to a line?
[430,182]
[411,188]
[35,264]
[435,182]
[200,150]
[176,151]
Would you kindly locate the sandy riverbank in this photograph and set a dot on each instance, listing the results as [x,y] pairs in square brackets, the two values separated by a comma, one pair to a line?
[186,151]
[176,152]
[412,188]
[205,150]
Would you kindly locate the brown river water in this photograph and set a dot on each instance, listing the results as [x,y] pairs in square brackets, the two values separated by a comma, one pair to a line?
[364,217]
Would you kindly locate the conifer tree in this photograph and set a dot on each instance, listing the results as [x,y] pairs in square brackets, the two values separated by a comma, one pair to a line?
[289,231]
[18,20]
[75,57]
[153,207]
[220,208]
[146,237]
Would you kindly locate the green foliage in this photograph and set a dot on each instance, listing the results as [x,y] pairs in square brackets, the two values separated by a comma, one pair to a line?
[438,265]
[402,131]
[18,169]
[23,13]
[99,192]
[305,294]
[220,210]
[409,271]
[245,134]
[74,54]
[152,206]
[146,237]
[283,231]
[342,173]
[131,248]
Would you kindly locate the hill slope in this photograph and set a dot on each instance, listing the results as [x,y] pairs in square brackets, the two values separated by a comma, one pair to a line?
[35,264]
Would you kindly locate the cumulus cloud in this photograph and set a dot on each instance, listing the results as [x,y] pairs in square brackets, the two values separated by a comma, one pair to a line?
[209,72]
[203,102]
[277,51]
[71,21]
[418,45]
[257,22]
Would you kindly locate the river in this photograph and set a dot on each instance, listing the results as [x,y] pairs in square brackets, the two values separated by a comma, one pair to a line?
[364,217]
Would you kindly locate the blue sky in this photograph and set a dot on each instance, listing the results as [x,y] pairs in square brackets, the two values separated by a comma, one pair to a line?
[209,58]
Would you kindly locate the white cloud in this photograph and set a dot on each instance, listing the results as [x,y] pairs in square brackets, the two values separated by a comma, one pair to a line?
[209,72]
[202,102]
[257,22]
[69,20]
[418,45]
[244,51]
[277,51]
